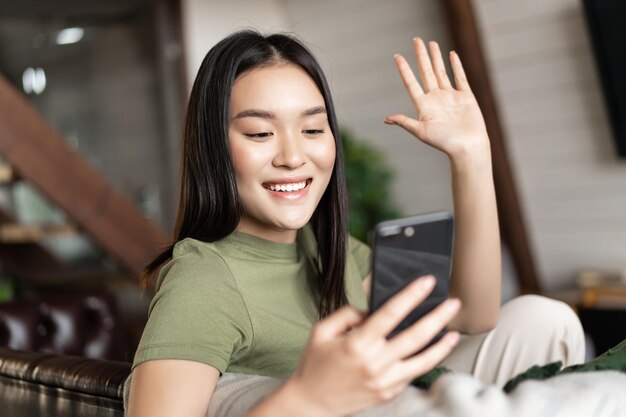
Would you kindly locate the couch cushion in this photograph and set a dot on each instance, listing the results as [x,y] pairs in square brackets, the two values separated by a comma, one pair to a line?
[35,383]
[74,323]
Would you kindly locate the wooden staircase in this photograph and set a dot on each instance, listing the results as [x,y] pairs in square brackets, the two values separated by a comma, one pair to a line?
[35,152]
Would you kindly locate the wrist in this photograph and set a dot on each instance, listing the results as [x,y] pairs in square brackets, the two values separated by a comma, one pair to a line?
[475,158]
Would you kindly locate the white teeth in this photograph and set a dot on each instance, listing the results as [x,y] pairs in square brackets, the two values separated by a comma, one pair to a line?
[288,187]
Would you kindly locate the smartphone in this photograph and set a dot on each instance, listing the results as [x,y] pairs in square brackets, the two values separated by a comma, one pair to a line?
[407,248]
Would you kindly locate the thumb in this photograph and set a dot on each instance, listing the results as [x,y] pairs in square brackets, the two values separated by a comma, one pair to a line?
[410,125]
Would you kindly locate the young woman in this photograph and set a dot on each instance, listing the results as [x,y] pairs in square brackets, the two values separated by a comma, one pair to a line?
[262,251]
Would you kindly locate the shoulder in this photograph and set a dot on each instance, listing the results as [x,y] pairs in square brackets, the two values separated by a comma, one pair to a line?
[358,248]
[197,312]
[362,255]
[197,280]
[191,248]
[196,265]
[197,272]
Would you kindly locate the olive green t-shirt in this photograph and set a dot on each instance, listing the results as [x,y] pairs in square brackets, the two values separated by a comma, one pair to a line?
[242,304]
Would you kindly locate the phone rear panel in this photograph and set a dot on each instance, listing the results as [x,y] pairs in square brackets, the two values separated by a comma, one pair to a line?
[407,248]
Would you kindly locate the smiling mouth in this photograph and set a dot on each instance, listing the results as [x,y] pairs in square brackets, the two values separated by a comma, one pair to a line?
[288,187]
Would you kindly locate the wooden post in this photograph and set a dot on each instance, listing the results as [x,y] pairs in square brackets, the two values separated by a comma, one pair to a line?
[39,154]
[467,42]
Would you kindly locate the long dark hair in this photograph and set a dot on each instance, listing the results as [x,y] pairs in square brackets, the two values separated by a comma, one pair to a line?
[209,207]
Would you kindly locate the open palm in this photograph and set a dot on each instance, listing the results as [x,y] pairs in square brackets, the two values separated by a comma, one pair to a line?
[447,117]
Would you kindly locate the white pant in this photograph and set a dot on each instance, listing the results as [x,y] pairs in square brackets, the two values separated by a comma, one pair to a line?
[531,330]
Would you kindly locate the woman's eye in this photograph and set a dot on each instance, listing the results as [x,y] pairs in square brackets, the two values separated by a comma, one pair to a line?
[258,135]
[313,131]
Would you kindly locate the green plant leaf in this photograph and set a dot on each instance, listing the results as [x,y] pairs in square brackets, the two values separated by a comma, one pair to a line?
[369,181]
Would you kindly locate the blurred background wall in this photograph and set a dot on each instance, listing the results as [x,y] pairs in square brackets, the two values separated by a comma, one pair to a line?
[571,183]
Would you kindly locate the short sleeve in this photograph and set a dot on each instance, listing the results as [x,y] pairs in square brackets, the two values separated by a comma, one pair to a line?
[362,255]
[197,312]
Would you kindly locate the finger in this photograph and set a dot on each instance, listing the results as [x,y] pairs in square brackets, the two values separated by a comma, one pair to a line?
[338,323]
[409,124]
[389,393]
[460,80]
[438,66]
[380,323]
[425,67]
[408,78]
[409,369]
[421,332]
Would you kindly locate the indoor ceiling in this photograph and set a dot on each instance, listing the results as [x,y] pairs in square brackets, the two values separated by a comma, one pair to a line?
[28,27]
[67,8]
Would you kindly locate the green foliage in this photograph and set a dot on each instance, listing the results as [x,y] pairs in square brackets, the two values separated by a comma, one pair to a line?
[369,180]
[6,289]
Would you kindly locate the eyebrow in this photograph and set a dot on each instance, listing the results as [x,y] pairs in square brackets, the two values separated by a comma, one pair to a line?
[268,115]
[314,110]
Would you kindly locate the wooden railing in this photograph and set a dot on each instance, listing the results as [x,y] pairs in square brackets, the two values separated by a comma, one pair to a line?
[36,152]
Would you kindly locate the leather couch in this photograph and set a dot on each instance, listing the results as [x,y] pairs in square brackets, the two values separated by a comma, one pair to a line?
[63,354]
[82,323]
[51,385]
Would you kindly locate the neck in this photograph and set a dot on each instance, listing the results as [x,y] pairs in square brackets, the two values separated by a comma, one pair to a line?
[274,235]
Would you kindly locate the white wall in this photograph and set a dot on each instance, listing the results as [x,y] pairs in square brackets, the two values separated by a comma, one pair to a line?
[205,22]
[571,186]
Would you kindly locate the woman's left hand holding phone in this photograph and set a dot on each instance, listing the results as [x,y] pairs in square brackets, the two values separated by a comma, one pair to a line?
[349,364]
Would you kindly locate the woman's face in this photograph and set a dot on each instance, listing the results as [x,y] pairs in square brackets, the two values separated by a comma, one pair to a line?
[282,148]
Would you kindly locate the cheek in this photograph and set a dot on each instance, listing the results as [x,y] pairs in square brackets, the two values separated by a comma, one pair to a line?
[324,155]
[246,161]
[239,157]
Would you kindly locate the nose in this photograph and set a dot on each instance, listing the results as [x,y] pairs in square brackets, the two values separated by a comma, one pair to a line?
[290,153]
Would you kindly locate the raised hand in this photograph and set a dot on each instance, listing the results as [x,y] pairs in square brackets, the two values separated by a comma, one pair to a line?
[349,364]
[447,117]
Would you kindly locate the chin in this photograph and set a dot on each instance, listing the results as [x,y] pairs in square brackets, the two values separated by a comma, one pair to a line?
[295,223]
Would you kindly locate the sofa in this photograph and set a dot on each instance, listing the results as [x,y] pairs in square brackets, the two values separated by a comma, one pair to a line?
[63,354]
[51,385]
